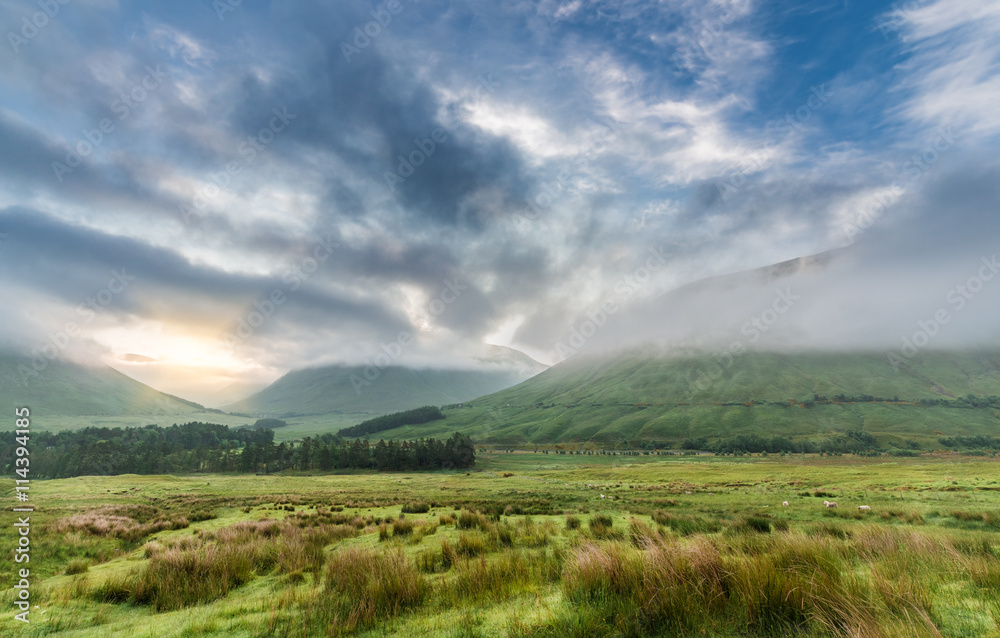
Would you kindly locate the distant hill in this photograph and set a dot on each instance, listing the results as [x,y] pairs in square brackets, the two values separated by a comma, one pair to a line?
[645,395]
[63,388]
[347,390]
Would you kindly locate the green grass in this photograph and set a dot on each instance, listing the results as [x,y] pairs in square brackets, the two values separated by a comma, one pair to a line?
[301,555]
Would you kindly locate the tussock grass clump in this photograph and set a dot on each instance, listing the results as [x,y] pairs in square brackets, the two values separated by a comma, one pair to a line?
[421,530]
[769,585]
[303,550]
[503,576]
[402,527]
[752,525]
[470,520]
[428,561]
[982,571]
[529,533]
[472,544]
[641,533]
[416,508]
[447,519]
[832,530]
[130,523]
[687,524]
[203,568]
[365,586]
[449,555]
[178,578]
[660,587]
[77,566]
[602,526]
[978,520]
[501,535]
[572,522]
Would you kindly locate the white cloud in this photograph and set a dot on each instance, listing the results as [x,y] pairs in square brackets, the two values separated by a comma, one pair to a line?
[954,73]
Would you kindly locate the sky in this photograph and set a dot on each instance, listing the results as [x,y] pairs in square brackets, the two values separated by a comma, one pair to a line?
[212,193]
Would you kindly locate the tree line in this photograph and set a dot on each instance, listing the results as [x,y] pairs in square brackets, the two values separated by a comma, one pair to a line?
[394,420]
[209,447]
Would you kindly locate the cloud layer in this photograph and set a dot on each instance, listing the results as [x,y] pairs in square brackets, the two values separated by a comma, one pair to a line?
[297,184]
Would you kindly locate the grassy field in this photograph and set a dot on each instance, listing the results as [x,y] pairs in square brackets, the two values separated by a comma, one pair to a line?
[524,545]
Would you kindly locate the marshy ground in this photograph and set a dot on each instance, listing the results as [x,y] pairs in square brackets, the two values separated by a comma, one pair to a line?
[524,545]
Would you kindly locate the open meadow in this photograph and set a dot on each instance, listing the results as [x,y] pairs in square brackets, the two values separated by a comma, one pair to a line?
[525,544]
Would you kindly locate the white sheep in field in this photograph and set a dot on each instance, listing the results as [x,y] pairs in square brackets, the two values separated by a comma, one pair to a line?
[830,503]
[864,508]
[784,504]
[686,492]
[602,495]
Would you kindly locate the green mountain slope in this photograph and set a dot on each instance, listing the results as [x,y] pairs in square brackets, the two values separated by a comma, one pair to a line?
[346,390]
[63,388]
[640,395]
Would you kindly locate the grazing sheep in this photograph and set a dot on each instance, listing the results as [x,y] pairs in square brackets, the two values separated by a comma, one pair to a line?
[784,504]
[686,492]
[864,508]
[830,503]
[602,495]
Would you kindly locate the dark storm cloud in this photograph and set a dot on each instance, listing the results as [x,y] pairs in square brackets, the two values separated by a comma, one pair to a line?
[512,98]
[66,261]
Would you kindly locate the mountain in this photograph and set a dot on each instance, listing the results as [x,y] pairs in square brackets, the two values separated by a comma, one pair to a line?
[746,353]
[365,391]
[651,395]
[232,393]
[64,388]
